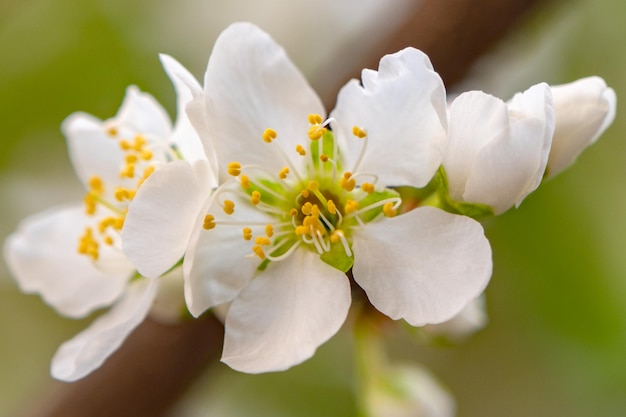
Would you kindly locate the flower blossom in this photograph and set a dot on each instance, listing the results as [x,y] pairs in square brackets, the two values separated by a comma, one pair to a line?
[303,199]
[72,255]
[584,109]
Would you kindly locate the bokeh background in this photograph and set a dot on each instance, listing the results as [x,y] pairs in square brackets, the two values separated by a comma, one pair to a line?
[556,341]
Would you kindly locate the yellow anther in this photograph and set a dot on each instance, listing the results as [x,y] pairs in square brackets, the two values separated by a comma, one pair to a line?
[118,223]
[293,212]
[229,206]
[140,140]
[324,158]
[112,131]
[316,132]
[389,210]
[90,204]
[87,245]
[283,173]
[262,240]
[332,208]
[336,236]
[104,223]
[301,230]
[130,159]
[146,154]
[313,186]
[347,182]
[244,181]
[315,211]
[234,169]
[312,222]
[367,187]
[96,185]
[269,135]
[128,171]
[125,145]
[304,193]
[269,230]
[351,206]
[306,208]
[247,233]
[315,119]
[258,251]
[300,150]
[108,240]
[122,194]
[209,222]
[255,198]
[149,170]
[358,132]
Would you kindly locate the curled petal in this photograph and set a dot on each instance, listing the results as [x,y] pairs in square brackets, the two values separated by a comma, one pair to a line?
[162,215]
[42,256]
[403,110]
[251,85]
[86,351]
[285,313]
[423,266]
[219,262]
[184,136]
[584,109]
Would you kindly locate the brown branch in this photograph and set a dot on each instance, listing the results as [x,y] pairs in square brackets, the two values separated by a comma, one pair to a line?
[144,378]
[157,363]
[453,33]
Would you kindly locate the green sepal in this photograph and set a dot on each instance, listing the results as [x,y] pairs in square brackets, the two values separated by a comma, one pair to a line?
[337,258]
[476,211]
[369,215]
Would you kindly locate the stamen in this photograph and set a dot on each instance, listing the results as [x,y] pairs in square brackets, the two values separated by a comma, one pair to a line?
[284,255]
[332,208]
[315,119]
[389,210]
[209,222]
[339,236]
[255,198]
[262,240]
[324,158]
[283,173]
[229,206]
[347,181]
[244,181]
[269,135]
[108,240]
[358,132]
[300,149]
[247,233]
[269,230]
[112,131]
[96,185]
[146,154]
[351,206]
[258,251]
[128,171]
[234,169]
[367,187]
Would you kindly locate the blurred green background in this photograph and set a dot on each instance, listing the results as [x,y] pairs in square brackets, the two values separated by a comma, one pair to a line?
[556,341]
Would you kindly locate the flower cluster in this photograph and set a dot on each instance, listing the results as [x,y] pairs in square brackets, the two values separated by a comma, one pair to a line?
[263,202]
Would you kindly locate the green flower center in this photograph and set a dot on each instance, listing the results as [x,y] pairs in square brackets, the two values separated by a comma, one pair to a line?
[318,210]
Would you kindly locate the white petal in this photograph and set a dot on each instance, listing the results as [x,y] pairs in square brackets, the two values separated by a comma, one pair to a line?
[162,215]
[141,113]
[471,319]
[91,150]
[86,351]
[169,303]
[402,108]
[218,262]
[285,313]
[42,257]
[423,266]
[475,119]
[251,85]
[583,110]
[511,166]
[187,88]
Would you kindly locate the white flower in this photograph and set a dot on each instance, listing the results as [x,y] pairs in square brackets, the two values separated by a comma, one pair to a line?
[583,109]
[407,391]
[497,152]
[72,255]
[471,319]
[303,204]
